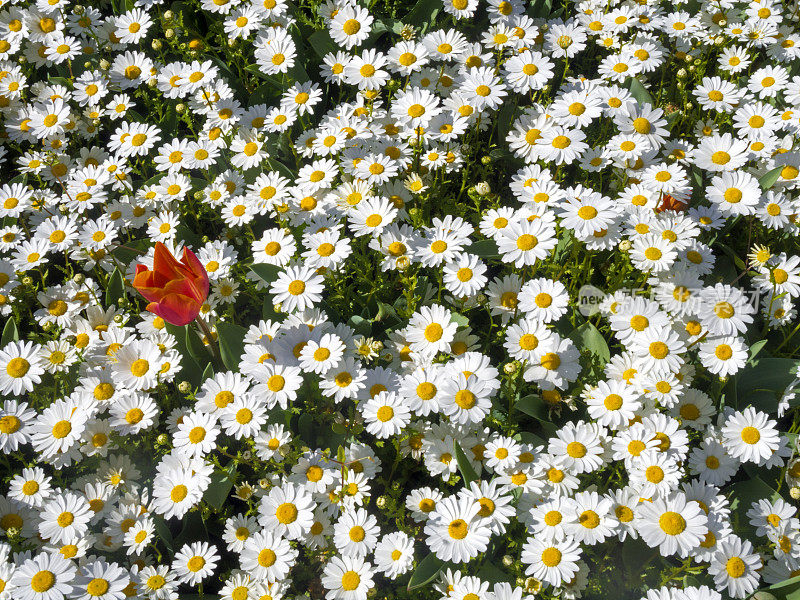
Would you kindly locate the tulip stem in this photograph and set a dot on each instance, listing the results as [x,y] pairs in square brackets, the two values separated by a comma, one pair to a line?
[206,331]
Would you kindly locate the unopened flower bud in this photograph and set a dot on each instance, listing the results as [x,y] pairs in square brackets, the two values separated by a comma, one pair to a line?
[508,560]
[27,280]
[79,278]
[180,108]
[104,65]
[483,188]
[184,387]
[794,492]
[162,439]
[511,368]
[486,160]
[381,502]
[625,245]
[169,15]
[169,33]
[156,45]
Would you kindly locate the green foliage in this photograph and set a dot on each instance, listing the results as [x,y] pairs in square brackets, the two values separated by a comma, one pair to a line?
[231,344]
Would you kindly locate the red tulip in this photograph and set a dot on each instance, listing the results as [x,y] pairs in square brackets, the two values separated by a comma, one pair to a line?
[671,203]
[175,289]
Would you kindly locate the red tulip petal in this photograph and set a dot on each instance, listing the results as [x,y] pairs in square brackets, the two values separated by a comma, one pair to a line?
[175,309]
[165,265]
[198,271]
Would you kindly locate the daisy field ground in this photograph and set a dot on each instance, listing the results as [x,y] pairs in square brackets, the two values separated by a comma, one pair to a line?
[454,299]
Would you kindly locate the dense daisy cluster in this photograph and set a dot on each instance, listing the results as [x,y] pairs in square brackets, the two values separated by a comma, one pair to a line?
[502,299]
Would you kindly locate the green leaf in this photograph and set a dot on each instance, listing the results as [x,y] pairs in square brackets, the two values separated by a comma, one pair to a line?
[298,73]
[194,527]
[208,372]
[534,406]
[116,288]
[268,310]
[256,70]
[737,261]
[491,573]
[587,336]
[231,343]
[466,468]
[360,325]
[759,383]
[220,486]
[768,179]
[322,43]
[131,250]
[195,346]
[635,556]
[162,529]
[459,319]
[785,583]
[190,368]
[505,119]
[484,249]
[426,571]
[263,94]
[386,313]
[10,332]
[266,273]
[423,14]
[639,92]
[542,8]
[281,168]
[744,493]
[756,348]
[305,427]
